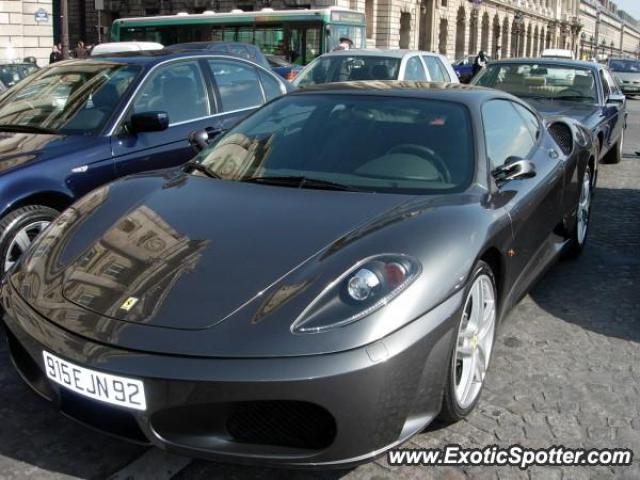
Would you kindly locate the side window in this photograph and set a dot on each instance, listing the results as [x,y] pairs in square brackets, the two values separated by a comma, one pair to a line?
[613,85]
[414,70]
[530,119]
[506,132]
[270,85]
[436,71]
[178,89]
[605,85]
[238,84]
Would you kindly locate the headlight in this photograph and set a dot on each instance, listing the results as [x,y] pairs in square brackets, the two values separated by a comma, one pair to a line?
[364,288]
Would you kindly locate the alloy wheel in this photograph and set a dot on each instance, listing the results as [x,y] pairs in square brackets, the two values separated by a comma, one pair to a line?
[475,341]
[22,240]
[584,207]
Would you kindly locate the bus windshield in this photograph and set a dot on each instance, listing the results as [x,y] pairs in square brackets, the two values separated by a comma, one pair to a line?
[297,36]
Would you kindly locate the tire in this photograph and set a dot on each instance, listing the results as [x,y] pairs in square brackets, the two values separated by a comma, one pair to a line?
[615,154]
[455,405]
[580,232]
[19,228]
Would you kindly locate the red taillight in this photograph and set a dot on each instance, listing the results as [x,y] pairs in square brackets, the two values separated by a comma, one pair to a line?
[394,274]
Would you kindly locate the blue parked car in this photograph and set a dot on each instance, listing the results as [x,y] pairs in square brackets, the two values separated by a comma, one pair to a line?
[464,67]
[286,70]
[585,91]
[76,125]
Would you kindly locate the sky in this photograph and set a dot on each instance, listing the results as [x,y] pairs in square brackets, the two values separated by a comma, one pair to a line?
[630,6]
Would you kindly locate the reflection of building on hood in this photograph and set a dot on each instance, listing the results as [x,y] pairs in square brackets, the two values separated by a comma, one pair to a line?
[141,255]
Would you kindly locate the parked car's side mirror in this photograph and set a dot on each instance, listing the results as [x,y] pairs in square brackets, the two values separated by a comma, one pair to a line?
[515,168]
[148,122]
[616,98]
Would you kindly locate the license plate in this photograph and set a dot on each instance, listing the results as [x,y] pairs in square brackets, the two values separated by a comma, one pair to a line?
[121,391]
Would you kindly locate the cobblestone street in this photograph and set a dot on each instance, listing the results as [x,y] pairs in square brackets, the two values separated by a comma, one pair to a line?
[566,371]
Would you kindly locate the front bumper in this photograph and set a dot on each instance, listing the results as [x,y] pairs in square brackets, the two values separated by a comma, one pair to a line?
[321,410]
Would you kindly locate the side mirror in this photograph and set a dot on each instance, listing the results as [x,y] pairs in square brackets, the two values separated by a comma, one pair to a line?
[515,168]
[616,98]
[201,139]
[148,122]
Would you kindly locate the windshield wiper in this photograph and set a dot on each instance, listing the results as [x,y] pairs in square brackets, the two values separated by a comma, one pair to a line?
[300,181]
[26,129]
[195,165]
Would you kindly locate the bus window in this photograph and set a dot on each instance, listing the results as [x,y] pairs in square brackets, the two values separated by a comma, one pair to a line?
[270,40]
[304,44]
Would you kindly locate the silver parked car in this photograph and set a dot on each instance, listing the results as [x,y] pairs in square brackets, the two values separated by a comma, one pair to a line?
[373,64]
[627,73]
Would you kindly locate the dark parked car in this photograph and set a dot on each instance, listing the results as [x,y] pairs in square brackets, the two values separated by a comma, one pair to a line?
[285,69]
[12,73]
[316,287]
[582,90]
[76,125]
[627,72]
[248,51]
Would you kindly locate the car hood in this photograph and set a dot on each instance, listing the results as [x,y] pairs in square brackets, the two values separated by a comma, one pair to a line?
[187,265]
[150,249]
[17,149]
[556,108]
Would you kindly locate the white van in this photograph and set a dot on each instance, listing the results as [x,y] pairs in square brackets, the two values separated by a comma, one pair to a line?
[118,47]
[557,53]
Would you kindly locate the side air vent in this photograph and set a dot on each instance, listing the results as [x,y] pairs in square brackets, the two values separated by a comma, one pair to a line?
[562,134]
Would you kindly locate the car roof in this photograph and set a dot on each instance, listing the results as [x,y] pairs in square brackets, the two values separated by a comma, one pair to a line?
[456,92]
[205,45]
[148,57]
[565,62]
[379,52]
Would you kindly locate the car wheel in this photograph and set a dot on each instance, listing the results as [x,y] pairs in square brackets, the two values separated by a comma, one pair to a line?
[19,228]
[578,237]
[615,154]
[473,346]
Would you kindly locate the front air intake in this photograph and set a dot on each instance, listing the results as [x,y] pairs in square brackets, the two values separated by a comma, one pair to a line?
[563,136]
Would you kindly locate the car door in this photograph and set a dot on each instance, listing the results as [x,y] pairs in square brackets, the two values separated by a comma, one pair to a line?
[240,88]
[180,89]
[534,204]
[614,107]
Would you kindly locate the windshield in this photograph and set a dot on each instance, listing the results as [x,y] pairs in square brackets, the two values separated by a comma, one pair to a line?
[541,80]
[357,142]
[341,68]
[625,66]
[12,73]
[68,99]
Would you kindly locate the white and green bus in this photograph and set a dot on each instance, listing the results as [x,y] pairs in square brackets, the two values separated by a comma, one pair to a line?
[295,35]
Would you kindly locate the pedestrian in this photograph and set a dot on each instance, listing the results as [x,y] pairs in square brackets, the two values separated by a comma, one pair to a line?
[345,44]
[480,62]
[56,53]
[80,51]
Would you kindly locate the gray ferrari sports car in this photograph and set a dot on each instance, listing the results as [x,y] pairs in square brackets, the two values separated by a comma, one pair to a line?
[316,286]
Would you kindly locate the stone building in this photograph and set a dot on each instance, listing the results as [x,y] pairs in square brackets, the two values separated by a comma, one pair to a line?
[503,28]
[607,31]
[26,30]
